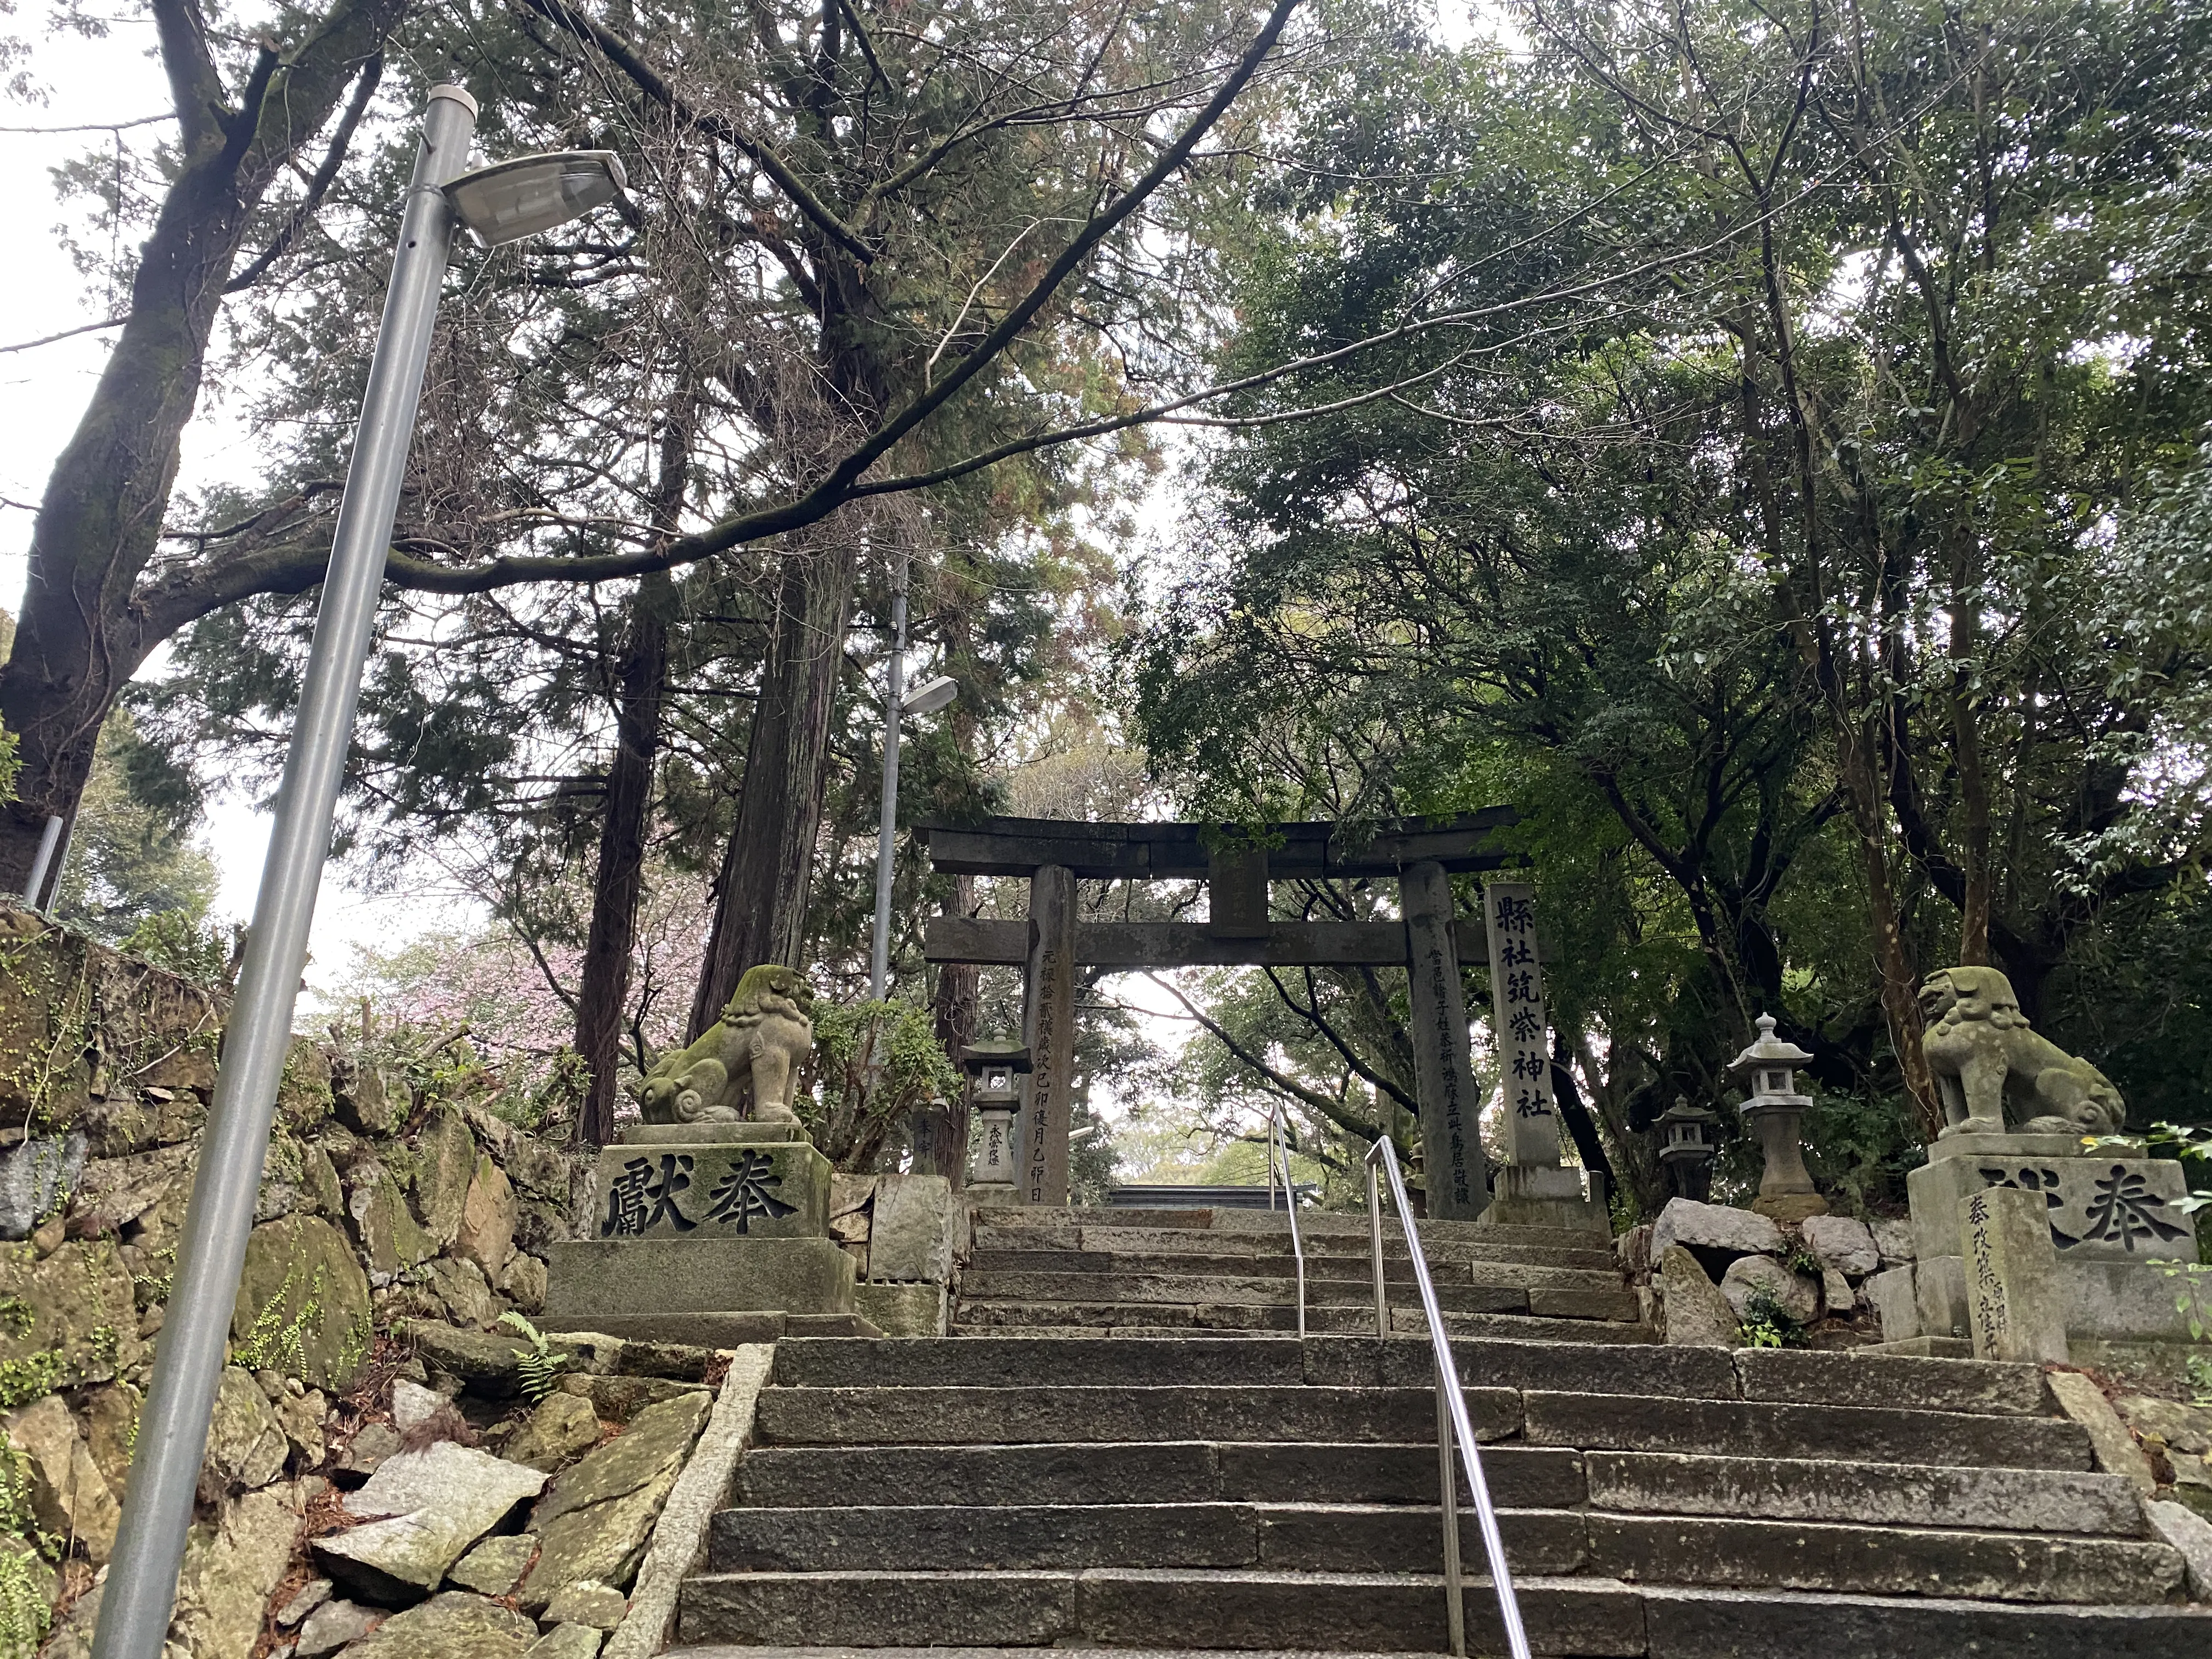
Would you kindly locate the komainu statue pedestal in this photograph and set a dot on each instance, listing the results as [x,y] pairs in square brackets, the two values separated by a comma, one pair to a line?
[707,1233]
[2121,1243]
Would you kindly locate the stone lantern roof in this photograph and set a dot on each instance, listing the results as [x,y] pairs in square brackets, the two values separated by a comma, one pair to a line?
[1768,1050]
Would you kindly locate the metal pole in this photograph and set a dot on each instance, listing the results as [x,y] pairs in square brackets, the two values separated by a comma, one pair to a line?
[1375,1251]
[879,959]
[1448,1507]
[46,843]
[188,1361]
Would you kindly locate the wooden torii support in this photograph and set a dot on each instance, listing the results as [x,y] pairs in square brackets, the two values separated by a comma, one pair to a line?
[1050,945]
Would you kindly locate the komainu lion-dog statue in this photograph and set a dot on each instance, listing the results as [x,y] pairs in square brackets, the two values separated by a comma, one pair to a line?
[1978,1045]
[763,1039]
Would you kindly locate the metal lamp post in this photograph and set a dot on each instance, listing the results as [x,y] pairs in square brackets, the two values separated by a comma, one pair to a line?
[497,203]
[927,699]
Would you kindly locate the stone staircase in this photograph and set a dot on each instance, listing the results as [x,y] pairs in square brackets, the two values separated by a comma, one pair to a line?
[1132,1272]
[1209,1486]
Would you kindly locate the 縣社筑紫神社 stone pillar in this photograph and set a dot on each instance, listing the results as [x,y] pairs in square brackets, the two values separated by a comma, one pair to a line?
[1533,1189]
[1049,1032]
[1443,1068]
[2015,1301]
[1531,1128]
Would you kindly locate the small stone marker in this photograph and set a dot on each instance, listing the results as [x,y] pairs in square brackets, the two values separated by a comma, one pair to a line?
[2015,1300]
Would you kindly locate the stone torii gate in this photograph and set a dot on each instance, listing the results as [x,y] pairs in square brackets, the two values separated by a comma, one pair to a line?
[1050,945]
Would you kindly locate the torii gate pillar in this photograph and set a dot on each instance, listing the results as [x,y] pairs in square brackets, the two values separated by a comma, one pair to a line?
[1048,1029]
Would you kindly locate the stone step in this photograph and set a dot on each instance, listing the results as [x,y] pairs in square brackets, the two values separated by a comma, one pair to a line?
[1312,1224]
[1381,1539]
[1348,1319]
[1149,1471]
[998,1361]
[1293,1537]
[1878,1560]
[1176,1611]
[1801,1376]
[1031,1415]
[1151,1608]
[1265,1247]
[1714,1623]
[1902,1495]
[1584,1296]
[1341,1270]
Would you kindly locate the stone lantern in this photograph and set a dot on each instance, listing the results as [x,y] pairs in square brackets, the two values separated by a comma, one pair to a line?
[1776,1113]
[1687,1146]
[994,1092]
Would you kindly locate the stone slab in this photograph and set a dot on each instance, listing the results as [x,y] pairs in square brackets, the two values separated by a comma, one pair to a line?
[1895,1303]
[2015,1303]
[701,1192]
[2105,1300]
[979,1538]
[1549,1195]
[1882,1560]
[712,1134]
[902,1311]
[1883,1494]
[2101,1209]
[2004,1147]
[910,1233]
[1019,1609]
[1725,1623]
[1032,1415]
[1743,1428]
[1860,1378]
[589,1280]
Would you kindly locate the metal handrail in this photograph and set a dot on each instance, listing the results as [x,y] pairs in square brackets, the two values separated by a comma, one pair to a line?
[1279,1137]
[1453,1423]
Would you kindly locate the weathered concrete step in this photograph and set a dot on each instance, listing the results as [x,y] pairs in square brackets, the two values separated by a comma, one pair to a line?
[2009,1566]
[1504,1290]
[1751,1428]
[1152,1608]
[1349,1319]
[1162,1471]
[1885,1494]
[1034,1414]
[1293,1537]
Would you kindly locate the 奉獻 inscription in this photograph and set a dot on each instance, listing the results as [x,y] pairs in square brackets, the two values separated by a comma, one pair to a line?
[2119,1208]
[649,1194]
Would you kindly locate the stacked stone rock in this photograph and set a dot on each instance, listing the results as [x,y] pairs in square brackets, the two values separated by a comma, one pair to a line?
[378,1205]
[1708,1264]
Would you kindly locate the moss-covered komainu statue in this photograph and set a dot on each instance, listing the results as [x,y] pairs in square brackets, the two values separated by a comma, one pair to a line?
[761,1042]
[1978,1045]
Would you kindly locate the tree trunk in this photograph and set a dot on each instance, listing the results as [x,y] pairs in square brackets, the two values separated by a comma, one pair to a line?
[958,995]
[760,903]
[83,632]
[603,994]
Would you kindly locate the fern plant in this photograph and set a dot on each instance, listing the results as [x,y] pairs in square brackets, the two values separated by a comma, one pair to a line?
[542,1367]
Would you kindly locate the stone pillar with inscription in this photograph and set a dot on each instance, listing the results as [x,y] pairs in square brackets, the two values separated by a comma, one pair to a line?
[2122,1246]
[1458,1187]
[1048,1033]
[2015,1304]
[1533,1190]
[706,1233]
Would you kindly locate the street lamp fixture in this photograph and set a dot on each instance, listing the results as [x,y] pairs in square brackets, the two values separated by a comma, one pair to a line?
[930,696]
[510,200]
[499,203]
